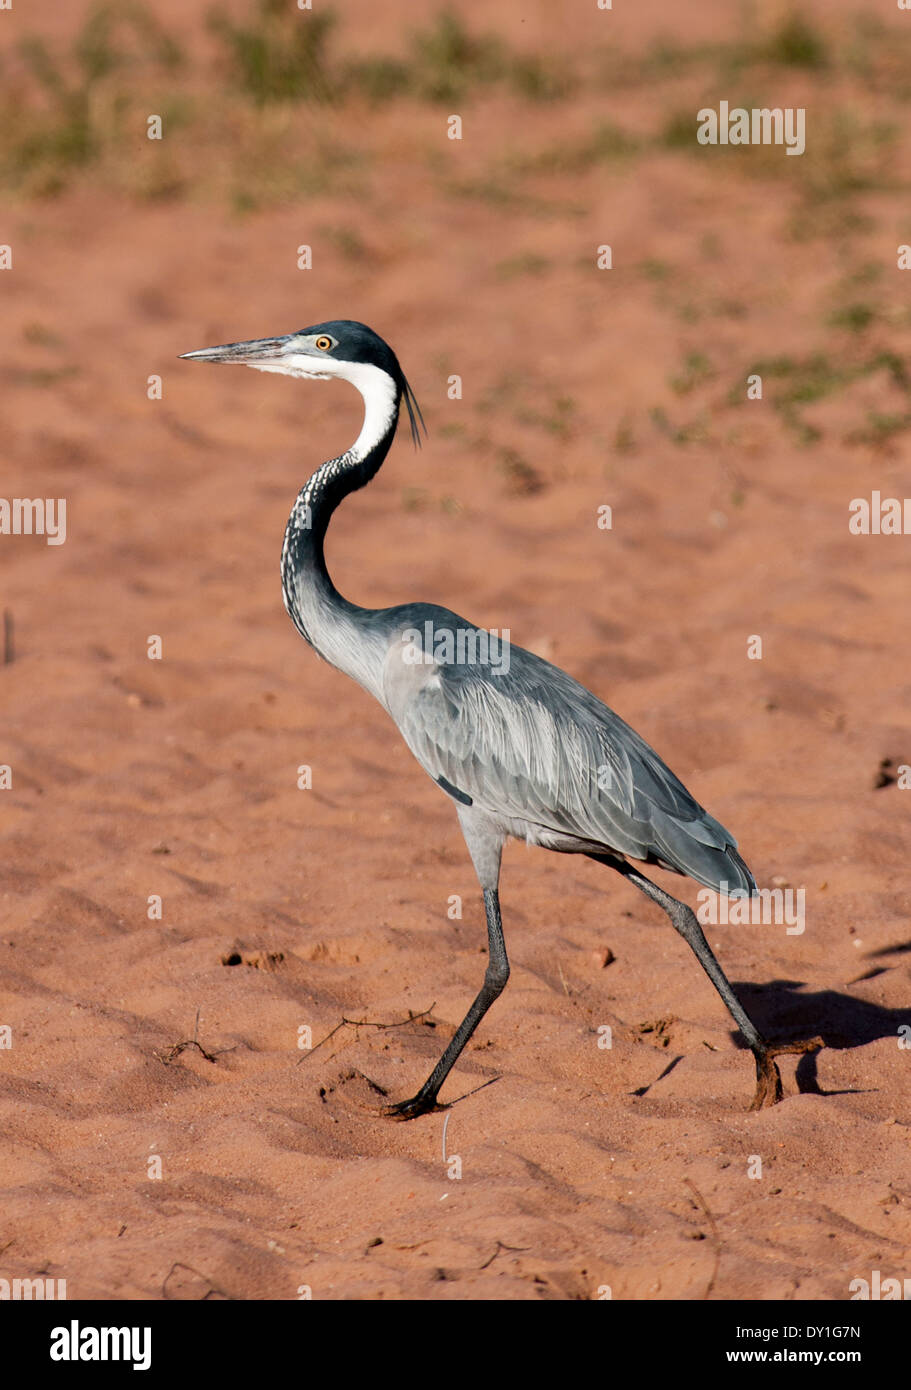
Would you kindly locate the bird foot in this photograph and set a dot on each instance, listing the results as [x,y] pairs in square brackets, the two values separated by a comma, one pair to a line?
[421,1104]
[411,1109]
[768,1077]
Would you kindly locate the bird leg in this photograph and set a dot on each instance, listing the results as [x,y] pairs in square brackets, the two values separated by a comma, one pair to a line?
[683,919]
[495,978]
[768,1077]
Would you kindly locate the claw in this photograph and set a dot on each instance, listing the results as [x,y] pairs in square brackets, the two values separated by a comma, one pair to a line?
[768,1077]
[411,1109]
[420,1104]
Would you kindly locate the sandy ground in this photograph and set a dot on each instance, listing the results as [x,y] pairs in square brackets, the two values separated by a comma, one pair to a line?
[285,909]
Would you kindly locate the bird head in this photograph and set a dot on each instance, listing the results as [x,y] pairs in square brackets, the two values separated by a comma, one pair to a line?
[340,349]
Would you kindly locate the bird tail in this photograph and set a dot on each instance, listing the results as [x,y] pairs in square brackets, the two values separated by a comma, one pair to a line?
[724,870]
[702,849]
[745,878]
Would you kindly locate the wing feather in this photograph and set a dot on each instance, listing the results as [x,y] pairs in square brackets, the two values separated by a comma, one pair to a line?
[533,744]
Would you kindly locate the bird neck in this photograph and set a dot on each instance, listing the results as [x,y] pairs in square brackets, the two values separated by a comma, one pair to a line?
[319,612]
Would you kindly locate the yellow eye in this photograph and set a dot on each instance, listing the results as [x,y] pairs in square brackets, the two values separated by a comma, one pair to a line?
[323,343]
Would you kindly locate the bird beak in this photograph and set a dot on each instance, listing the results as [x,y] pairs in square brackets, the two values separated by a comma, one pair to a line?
[260,352]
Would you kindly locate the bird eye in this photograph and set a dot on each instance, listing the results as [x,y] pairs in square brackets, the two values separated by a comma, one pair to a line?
[323,343]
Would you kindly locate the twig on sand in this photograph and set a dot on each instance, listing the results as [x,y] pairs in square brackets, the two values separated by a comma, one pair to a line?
[174,1052]
[501,1248]
[701,1202]
[213,1289]
[368,1023]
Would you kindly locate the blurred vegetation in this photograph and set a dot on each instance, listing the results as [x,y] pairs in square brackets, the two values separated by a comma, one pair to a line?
[798,382]
[445,63]
[253,100]
[796,43]
[277,54]
[87,104]
[62,113]
[696,369]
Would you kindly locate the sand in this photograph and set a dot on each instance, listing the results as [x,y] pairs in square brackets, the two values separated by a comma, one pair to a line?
[136,1166]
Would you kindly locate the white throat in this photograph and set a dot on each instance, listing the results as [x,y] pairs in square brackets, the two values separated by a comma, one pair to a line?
[378,389]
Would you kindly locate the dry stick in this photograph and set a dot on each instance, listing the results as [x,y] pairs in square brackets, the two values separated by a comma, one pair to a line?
[367,1023]
[179,1264]
[517,1249]
[473,1092]
[175,1051]
[8,647]
[375,1086]
[714,1229]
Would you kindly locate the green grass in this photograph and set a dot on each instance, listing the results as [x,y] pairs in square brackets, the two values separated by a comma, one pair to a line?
[656,270]
[279,53]
[624,437]
[802,381]
[879,429]
[72,107]
[606,144]
[448,63]
[63,110]
[856,318]
[559,420]
[797,43]
[347,242]
[694,431]
[697,369]
[78,108]
[679,131]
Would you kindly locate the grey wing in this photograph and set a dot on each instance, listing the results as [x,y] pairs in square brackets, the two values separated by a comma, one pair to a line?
[535,746]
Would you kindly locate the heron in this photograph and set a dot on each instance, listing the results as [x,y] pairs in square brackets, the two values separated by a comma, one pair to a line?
[522,749]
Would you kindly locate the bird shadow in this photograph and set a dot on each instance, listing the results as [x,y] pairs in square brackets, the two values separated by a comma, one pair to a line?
[842,1021]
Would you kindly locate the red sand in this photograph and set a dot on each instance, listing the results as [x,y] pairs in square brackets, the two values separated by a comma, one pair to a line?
[177,777]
